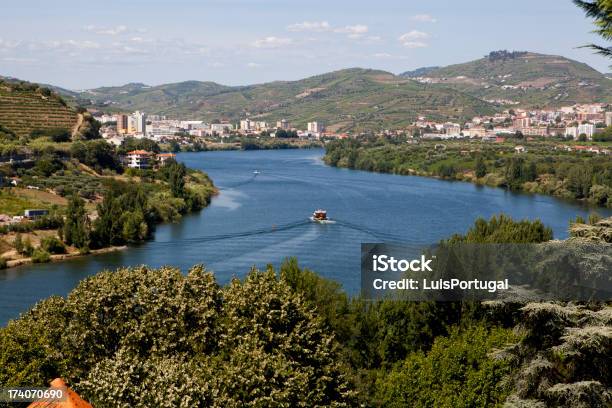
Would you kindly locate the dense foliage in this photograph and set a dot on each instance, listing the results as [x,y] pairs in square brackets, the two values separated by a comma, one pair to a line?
[544,168]
[143,337]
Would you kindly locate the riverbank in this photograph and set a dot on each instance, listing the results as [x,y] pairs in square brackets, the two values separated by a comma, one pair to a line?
[542,167]
[62,257]
[90,205]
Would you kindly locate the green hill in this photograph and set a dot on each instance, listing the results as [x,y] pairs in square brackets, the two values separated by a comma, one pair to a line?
[27,107]
[351,99]
[529,78]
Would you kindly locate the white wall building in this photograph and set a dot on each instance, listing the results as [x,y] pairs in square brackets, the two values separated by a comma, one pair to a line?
[586,128]
[315,127]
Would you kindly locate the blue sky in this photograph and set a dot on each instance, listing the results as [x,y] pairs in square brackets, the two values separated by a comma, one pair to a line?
[88,44]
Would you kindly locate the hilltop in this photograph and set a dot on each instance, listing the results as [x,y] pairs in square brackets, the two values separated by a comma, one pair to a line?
[350,99]
[528,78]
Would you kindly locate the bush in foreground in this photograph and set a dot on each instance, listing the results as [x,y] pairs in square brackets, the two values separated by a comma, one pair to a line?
[153,337]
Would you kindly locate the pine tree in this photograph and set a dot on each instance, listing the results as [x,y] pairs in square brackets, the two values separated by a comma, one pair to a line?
[481,167]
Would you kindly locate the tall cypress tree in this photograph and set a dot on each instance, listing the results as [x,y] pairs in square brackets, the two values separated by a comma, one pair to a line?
[76,226]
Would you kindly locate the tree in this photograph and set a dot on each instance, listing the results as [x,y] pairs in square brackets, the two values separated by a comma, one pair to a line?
[76,226]
[481,167]
[503,229]
[176,178]
[18,244]
[531,172]
[579,180]
[174,146]
[456,372]
[142,337]
[601,12]
[53,245]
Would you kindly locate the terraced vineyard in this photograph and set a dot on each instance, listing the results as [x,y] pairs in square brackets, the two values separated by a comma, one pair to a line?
[24,109]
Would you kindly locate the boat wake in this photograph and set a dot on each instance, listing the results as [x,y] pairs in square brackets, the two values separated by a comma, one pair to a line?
[240,183]
[259,231]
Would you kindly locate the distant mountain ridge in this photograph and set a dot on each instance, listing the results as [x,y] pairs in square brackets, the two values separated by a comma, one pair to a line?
[352,99]
[528,78]
[358,99]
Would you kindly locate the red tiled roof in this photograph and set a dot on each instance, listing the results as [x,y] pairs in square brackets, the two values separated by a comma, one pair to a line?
[72,400]
[166,155]
[140,152]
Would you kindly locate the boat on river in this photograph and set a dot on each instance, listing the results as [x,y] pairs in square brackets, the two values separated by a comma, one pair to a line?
[320,216]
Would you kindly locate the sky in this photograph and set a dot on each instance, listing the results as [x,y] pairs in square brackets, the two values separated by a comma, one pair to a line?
[81,45]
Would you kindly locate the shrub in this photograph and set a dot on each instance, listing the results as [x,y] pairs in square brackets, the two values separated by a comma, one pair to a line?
[40,256]
[53,245]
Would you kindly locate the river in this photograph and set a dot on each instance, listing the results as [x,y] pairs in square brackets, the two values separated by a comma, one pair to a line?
[262,219]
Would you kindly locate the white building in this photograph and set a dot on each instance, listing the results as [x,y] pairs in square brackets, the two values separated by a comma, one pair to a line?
[221,127]
[140,121]
[572,132]
[139,159]
[586,128]
[608,118]
[315,127]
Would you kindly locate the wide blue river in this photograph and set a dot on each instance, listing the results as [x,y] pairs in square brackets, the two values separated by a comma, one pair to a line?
[262,219]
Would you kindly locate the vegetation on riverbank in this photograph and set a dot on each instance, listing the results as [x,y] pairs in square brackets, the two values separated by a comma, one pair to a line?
[154,337]
[93,201]
[537,166]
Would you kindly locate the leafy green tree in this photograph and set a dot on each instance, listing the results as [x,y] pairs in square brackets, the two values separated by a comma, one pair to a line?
[579,180]
[174,146]
[76,225]
[39,255]
[503,229]
[95,153]
[531,171]
[18,244]
[515,172]
[143,337]
[456,372]
[53,245]
[480,167]
[176,173]
[135,228]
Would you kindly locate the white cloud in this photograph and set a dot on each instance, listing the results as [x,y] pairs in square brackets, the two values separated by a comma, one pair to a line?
[415,44]
[382,55]
[424,18]
[6,44]
[414,39]
[120,29]
[316,26]
[253,65]
[272,42]
[67,44]
[353,31]
[19,60]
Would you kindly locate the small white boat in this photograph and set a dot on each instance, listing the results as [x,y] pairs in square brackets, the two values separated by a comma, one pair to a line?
[320,216]
[256,172]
